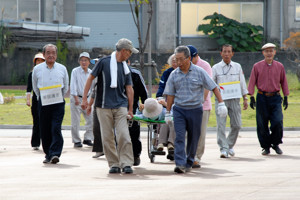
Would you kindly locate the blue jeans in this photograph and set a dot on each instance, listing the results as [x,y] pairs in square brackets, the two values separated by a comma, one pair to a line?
[51,118]
[186,120]
[268,109]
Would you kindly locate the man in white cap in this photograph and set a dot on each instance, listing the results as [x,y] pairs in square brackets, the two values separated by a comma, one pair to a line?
[114,103]
[79,76]
[268,76]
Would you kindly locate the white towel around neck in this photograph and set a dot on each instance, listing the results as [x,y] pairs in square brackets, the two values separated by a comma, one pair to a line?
[114,70]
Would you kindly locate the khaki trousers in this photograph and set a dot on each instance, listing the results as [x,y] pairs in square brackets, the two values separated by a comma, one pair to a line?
[115,137]
[201,143]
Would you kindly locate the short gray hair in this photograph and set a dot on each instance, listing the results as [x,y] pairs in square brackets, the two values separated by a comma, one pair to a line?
[183,49]
[49,45]
[170,59]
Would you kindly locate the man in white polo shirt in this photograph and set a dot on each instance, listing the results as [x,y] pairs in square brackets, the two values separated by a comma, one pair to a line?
[230,77]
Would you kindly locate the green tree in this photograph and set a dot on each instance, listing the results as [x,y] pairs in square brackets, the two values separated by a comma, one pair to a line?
[62,52]
[242,36]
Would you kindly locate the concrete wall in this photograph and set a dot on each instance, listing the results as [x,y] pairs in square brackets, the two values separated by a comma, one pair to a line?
[15,69]
[165,25]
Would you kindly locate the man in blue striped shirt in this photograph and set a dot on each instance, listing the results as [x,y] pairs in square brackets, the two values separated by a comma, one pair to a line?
[185,88]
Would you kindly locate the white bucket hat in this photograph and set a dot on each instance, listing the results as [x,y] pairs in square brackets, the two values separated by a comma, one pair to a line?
[152,108]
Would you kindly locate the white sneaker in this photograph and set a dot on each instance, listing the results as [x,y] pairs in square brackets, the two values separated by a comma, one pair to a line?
[224,154]
[98,154]
[160,147]
[231,152]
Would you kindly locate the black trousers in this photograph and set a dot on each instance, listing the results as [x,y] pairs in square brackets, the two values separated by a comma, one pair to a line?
[35,137]
[97,147]
[51,118]
[134,132]
[269,110]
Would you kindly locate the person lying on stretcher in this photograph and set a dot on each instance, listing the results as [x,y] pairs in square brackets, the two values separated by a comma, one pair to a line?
[155,110]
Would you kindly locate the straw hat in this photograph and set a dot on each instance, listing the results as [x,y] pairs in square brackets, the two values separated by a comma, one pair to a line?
[38,55]
[152,108]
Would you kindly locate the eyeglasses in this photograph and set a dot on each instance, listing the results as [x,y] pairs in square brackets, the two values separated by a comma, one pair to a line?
[180,59]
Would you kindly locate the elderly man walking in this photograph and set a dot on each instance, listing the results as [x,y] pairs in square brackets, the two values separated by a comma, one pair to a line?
[50,82]
[185,88]
[230,76]
[268,75]
[114,96]
[79,76]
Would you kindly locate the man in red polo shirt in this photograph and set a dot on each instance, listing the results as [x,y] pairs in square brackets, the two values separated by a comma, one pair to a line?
[268,75]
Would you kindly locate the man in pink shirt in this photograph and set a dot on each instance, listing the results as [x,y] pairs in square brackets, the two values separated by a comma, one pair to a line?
[196,60]
[268,75]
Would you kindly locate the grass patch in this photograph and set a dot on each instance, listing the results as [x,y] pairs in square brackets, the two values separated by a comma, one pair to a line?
[17,113]
[7,93]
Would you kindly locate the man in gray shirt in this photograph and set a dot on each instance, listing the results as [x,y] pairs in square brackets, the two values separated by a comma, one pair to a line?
[185,88]
[114,95]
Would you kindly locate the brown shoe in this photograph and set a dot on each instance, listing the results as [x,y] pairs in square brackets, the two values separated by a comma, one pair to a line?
[265,152]
[196,164]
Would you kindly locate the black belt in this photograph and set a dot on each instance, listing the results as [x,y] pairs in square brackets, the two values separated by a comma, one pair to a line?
[268,94]
[81,96]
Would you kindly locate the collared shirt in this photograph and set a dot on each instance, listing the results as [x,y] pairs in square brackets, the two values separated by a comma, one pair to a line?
[268,78]
[107,97]
[78,80]
[188,88]
[223,73]
[206,66]
[44,76]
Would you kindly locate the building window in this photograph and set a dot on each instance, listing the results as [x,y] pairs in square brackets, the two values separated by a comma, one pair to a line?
[192,14]
[297,12]
[21,9]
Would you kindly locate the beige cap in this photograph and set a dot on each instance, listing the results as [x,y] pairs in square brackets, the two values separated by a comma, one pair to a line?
[38,55]
[268,45]
[126,44]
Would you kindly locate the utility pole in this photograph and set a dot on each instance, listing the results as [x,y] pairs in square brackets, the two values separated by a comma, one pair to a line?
[149,60]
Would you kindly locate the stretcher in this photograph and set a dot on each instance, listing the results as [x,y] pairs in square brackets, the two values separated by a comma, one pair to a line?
[152,136]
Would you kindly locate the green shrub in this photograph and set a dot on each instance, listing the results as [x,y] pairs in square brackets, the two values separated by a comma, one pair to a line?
[242,36]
